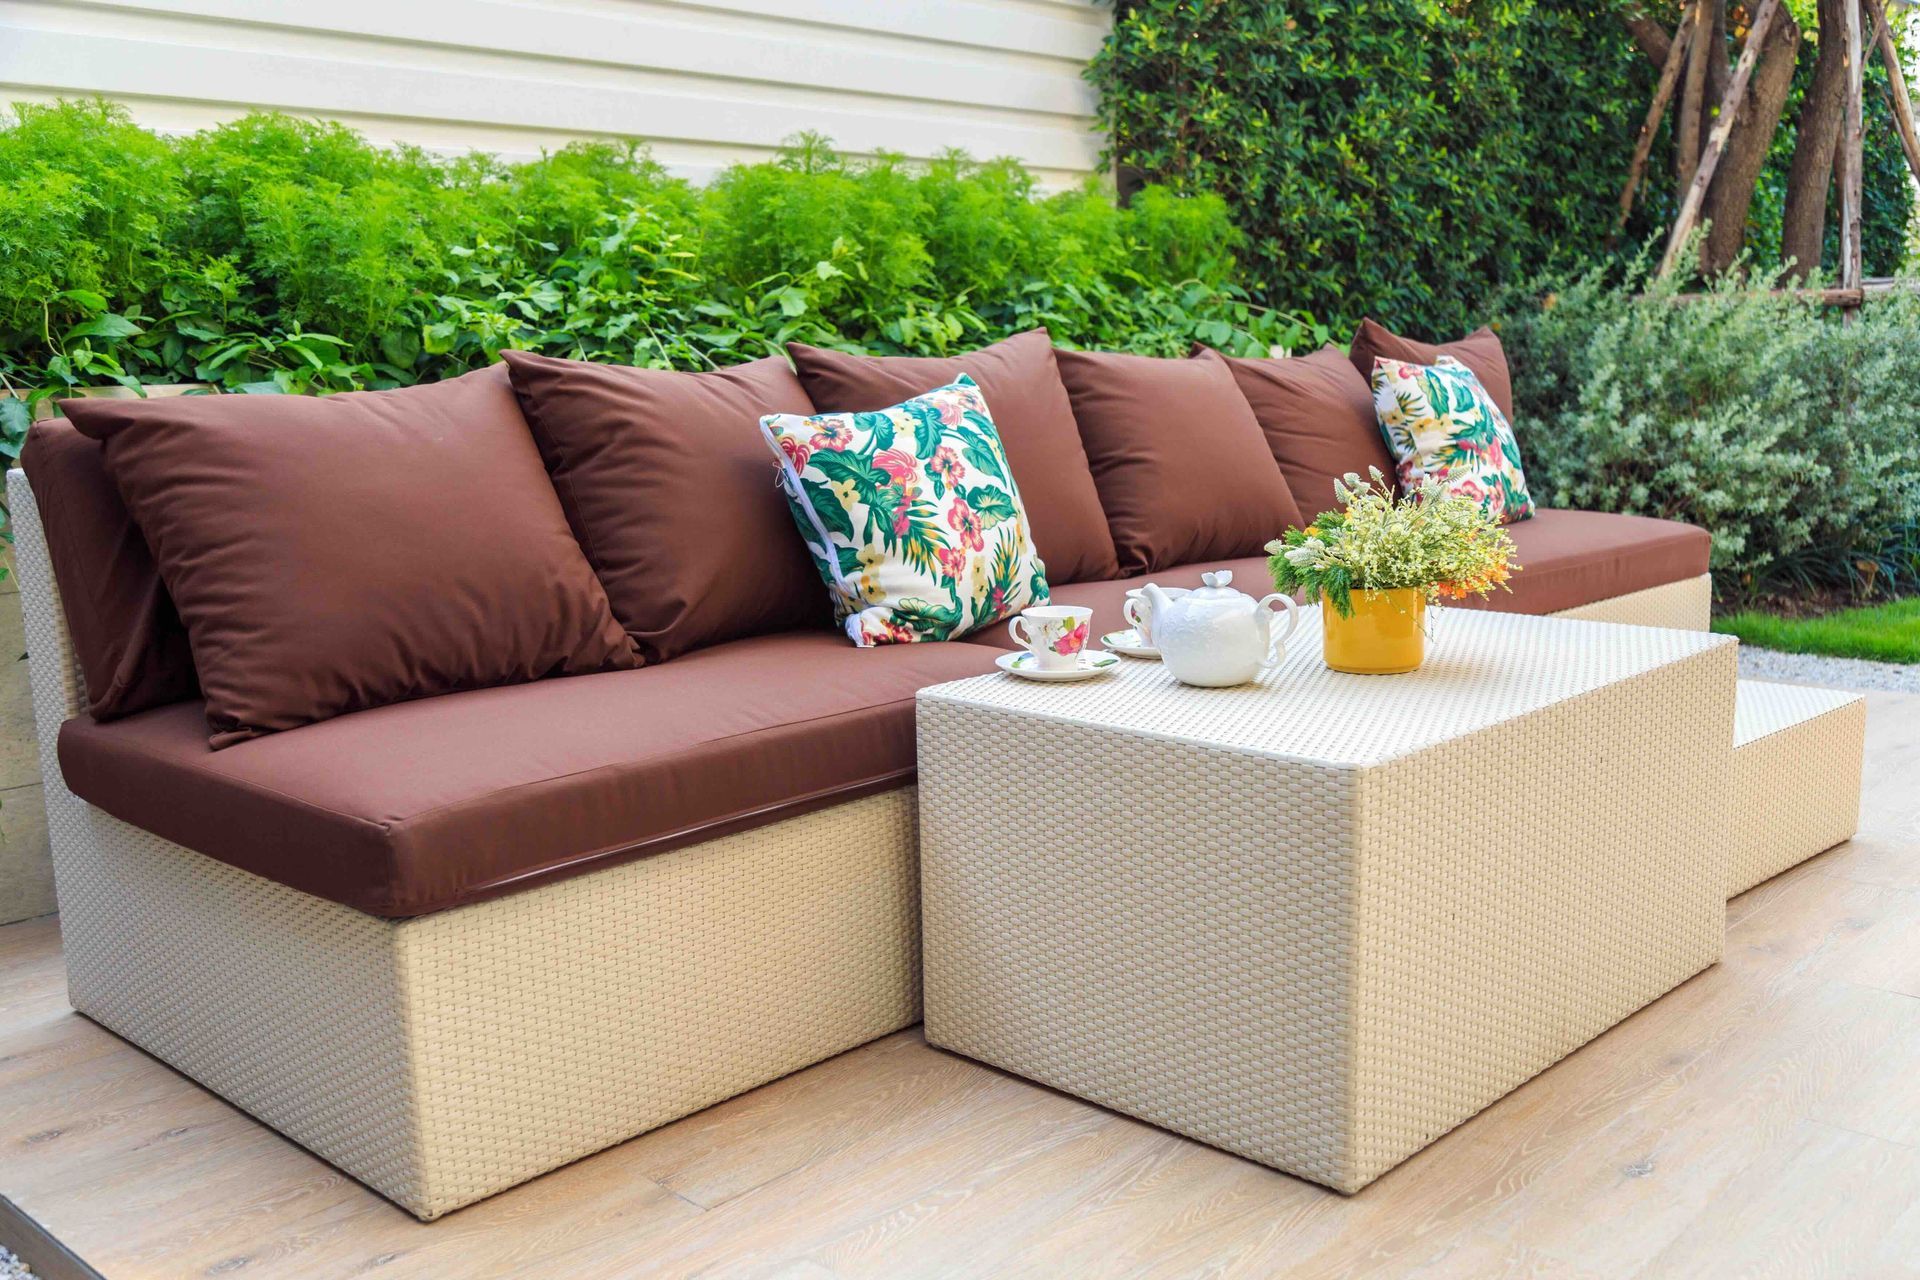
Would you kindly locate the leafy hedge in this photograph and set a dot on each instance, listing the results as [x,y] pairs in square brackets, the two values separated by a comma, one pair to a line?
[1785,430]
[1408,158]
[281,254]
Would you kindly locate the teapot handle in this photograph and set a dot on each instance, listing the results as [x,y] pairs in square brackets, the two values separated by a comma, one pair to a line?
[1276,643]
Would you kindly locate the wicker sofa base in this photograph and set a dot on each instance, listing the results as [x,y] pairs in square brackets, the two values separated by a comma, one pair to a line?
[444,1058]
[1686,605]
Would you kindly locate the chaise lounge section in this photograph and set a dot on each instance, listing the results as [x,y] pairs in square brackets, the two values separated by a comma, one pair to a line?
[451,942]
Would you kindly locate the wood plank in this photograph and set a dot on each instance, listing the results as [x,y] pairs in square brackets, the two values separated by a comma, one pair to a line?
[1826,1202]
[1757,1120]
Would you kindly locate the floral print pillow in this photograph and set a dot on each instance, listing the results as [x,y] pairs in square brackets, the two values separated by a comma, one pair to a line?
[1441,425]
[911,514]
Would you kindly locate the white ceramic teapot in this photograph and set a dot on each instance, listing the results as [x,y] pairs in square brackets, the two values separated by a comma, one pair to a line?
[1217,636]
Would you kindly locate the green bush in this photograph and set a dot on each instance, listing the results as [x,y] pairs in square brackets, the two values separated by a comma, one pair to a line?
[1408,159]
[280,254]
[1784,430]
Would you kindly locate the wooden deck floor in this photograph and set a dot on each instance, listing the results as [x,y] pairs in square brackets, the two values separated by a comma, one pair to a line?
[1762,1120]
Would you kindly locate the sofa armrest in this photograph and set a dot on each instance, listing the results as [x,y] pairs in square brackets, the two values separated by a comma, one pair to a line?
[59,690]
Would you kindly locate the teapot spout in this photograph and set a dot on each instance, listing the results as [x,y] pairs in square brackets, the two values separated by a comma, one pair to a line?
[1157,599]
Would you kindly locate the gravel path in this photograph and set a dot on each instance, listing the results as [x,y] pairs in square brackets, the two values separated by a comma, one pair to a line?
[1841,673]
[11,1268]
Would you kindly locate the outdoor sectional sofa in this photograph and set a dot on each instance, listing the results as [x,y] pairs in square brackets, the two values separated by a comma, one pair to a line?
[455,941]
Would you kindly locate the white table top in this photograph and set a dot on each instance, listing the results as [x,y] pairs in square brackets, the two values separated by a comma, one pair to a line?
[1482,668]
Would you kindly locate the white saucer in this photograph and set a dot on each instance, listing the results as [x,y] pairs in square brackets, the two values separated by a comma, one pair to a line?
[1027,666]
[1129,642]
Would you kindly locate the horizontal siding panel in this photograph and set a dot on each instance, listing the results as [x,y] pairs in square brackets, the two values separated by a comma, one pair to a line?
[1063,30]
[707,82]
[697,161]
[655,38]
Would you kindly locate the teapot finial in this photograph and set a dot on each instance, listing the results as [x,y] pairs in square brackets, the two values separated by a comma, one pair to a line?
[1219,578]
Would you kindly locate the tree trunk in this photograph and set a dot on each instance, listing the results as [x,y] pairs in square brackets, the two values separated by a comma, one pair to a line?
[1718,71]
[1751,136]
[1643,145]
[1689,133]
[1648,34]
[1897,96]
[1804,224]
[1851,147]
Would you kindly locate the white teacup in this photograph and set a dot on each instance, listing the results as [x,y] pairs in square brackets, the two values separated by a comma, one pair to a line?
[1055,634]
[1138,610]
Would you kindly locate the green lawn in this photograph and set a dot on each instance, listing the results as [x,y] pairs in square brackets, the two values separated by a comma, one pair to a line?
[1882,632]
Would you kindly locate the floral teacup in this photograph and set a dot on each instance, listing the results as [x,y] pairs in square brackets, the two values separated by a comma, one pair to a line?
[1054,634]
[1139,610]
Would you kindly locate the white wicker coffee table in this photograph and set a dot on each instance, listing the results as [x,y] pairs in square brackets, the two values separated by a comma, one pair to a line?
[1323,919]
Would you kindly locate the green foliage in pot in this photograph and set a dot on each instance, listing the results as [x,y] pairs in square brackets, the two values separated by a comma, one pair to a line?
[1443,545]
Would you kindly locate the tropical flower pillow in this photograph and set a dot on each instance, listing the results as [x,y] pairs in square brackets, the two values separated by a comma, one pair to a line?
[911,514]
[1441,425]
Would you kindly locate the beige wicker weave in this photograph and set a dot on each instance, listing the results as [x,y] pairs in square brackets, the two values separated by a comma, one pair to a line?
[444,1058]
[1796,776]
[1686,605]
[1323,919]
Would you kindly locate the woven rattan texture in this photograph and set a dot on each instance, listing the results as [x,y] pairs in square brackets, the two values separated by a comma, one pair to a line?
[1322,965]
[1796,776]
[1154,926]
[1525,888]
[1482,668]
[448,1057]
[1686,605]
[445,1058]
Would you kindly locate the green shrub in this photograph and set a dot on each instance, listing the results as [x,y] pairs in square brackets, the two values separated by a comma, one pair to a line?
[89,200]
[281,254]
[1408,159]
[1785,431]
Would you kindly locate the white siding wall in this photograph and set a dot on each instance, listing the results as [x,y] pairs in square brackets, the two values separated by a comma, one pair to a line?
[707,81]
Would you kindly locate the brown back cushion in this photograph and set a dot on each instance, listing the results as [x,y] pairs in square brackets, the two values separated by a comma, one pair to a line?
[1182,465]
[132,648]
[333,553]
[1022,387]
[1480,351]
[669,487]
[1318,416]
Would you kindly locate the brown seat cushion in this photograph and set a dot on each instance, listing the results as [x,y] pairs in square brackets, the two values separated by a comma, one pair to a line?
[1480,351]
[1106,599]
[1022,387]
[1318,416]
[1182,466]
[1571,558]
[128,636]
[668,485]
[422,805]
[339,552]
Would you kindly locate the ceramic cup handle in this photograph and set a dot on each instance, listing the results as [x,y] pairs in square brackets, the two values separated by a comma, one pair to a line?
[1277,639]
[1131,612]
[1017,628]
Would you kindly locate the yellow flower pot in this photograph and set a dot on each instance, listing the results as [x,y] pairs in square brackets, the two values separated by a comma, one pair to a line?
[1386,634]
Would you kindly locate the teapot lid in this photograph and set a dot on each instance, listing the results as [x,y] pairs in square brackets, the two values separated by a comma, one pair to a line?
[1218,586]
